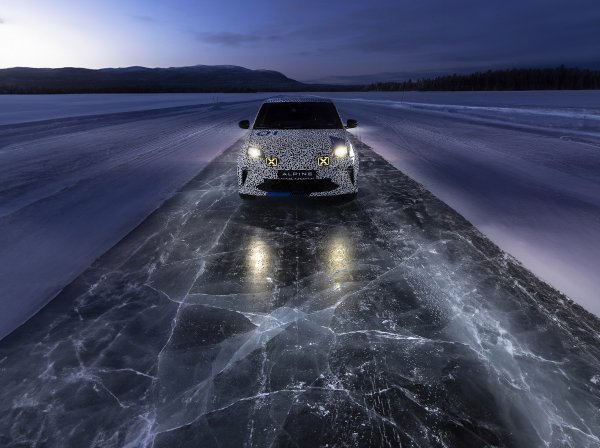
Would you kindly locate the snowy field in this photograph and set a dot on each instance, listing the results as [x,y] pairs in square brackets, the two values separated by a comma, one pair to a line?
[27,108]
[524,167]
[71,189]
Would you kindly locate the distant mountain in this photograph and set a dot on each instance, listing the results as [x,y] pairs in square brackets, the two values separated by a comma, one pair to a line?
[232,78]
[199,78]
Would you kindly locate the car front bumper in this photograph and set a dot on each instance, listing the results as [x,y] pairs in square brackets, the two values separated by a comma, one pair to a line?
[329,181]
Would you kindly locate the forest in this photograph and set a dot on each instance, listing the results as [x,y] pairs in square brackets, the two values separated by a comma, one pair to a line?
[559,78]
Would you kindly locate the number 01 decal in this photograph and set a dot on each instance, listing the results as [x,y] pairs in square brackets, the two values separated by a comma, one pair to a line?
[265,133]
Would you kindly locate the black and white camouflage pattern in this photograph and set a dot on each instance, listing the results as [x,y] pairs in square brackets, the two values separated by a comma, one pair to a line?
[297,149]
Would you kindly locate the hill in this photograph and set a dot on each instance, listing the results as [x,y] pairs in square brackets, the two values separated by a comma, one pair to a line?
[199,78]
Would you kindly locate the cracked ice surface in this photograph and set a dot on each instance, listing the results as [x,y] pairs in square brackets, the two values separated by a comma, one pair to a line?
[387,321]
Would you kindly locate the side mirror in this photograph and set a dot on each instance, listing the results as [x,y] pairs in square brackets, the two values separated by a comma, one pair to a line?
[351,123]
[244,124]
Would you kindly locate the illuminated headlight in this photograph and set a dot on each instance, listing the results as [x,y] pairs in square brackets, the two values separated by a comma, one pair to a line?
[253,152]
[341,151]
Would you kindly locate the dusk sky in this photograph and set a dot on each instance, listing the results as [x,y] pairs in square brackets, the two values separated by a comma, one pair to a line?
[305,40]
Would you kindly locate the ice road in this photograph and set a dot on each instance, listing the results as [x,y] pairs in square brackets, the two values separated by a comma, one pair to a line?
[386,321]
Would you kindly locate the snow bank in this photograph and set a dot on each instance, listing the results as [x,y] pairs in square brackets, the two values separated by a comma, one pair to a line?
[69,193]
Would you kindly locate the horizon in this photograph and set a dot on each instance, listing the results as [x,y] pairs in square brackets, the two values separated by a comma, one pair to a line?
[352,80]
[304,42]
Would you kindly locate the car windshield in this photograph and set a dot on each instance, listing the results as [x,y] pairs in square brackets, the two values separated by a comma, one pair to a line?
[298,115]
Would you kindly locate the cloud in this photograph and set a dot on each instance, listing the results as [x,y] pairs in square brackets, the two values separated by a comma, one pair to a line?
[431,35]
[316,51]
[143,18]
[2,21]
[230,39]
[413,38]
[226,38]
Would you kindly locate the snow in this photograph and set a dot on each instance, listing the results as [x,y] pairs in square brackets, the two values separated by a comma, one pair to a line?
[69,193]
[27,108]
[524,167]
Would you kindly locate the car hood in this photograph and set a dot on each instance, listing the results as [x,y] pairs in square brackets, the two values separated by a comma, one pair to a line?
[300,142]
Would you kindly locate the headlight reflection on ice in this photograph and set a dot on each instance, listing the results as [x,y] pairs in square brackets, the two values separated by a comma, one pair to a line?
[258,259]
[338,258]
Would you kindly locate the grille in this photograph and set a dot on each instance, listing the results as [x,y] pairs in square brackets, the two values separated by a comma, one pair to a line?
[297,186]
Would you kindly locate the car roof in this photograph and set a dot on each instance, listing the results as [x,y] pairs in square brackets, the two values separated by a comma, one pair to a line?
[298,99]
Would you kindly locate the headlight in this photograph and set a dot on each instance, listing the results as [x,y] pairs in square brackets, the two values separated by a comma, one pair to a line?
[341,151]
[253,152]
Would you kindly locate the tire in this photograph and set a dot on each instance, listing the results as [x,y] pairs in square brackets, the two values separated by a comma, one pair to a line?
[247,196]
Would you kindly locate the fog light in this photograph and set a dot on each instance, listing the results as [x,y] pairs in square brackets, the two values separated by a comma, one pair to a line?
[253,152]
[341,151]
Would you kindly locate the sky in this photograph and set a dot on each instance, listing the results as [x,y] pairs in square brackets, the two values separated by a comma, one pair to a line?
[306,40]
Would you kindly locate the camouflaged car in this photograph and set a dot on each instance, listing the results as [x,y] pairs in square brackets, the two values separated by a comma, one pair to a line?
[297,146]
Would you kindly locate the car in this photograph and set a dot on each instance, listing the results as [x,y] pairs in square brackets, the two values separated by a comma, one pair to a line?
[297,146]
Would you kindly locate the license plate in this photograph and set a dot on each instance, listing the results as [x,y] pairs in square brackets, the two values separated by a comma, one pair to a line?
[296,174]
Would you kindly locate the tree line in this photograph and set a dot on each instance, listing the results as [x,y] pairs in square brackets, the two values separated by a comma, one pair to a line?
[559,78]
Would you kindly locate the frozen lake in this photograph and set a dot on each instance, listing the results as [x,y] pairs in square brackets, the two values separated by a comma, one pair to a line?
[524,167]
[167,312]
[386,321]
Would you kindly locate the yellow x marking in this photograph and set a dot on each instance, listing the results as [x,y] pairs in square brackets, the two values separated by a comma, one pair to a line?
[323,161]
[271,161]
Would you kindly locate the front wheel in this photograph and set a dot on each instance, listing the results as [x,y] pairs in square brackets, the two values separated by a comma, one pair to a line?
[247,196]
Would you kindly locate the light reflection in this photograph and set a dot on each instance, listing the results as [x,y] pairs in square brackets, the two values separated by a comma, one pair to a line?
[338,254]
[336,261]
[258,261]
[339,259]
